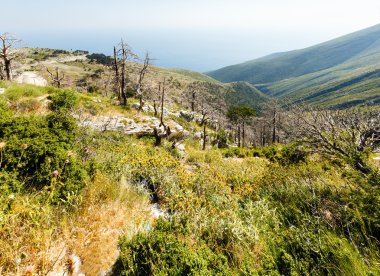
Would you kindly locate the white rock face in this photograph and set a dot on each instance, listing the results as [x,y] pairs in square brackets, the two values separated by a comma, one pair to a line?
[31,78]
[127,125]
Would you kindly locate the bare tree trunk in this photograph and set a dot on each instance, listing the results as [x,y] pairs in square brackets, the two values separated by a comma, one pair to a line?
[143,71]
[7,61]
[243,128]
[1,71]
[56,79]
[274,126]
[123,83]
[162,104]
[8,42]
[193,102]
[7,67]
[155,107]
[239,137]
[204,136]
[117,75]
[263,140]
[157,136]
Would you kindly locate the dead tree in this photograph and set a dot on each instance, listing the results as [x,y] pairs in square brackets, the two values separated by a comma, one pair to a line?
[272,115]
[117,74]
[162,103]
[2,76]
[56,78]
[123,86]
[143,71]
[204,135]
[345,134]
[190,94]
[8,41]
[121,71]
[155,99]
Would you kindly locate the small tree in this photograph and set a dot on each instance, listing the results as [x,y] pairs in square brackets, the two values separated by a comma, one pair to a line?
[240,115]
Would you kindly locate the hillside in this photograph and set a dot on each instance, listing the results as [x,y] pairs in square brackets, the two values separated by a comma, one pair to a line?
[89,186]
[85,189]
[357,49]
[331,74]
[90,76]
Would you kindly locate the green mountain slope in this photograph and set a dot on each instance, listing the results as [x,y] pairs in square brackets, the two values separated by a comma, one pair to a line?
[357,49]
[336,74]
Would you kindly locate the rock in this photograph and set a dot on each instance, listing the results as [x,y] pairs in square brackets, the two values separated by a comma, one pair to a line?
[145,108]
[188,116]
[198,135]
[31,78]
[180,147]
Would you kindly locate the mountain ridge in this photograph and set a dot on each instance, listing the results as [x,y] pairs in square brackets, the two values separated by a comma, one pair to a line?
[330,53]
[299,74]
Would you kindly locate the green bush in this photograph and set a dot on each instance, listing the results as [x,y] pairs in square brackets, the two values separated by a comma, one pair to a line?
[163,253]
[63,99]
[35,147]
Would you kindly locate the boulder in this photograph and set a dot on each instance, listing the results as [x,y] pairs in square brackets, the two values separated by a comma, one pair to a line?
[188,116]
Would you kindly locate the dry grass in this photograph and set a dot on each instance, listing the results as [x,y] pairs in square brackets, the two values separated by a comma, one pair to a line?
[39,239]
[93,235]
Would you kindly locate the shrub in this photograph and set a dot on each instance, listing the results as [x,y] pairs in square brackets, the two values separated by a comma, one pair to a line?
[163,253]
[292,154]
[63,99]
[36,147]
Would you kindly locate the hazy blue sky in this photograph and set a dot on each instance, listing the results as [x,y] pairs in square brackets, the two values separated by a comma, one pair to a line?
[194,34]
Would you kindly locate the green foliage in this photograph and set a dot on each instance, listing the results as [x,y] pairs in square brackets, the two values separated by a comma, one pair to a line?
[323,229]
[16,92]
[163,253]
[63,100]
[347,76]
[283,154]
[237,113]
[34,148]
[222,139]
[100,58]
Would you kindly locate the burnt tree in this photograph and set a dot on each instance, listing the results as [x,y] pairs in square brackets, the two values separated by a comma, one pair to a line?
[121,57]
[8,41]
[346,134]
[56,78]
[117,73]
[162,103]
[140,89]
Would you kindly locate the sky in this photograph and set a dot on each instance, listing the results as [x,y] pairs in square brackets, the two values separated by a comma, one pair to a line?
[201,35]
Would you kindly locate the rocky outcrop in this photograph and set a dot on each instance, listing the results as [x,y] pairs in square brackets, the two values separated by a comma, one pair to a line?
[145,126]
